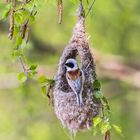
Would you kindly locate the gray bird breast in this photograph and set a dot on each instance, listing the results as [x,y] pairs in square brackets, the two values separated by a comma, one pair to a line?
[70,114]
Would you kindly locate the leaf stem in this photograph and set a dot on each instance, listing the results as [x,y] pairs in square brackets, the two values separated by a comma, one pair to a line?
[89,9]
[23,66]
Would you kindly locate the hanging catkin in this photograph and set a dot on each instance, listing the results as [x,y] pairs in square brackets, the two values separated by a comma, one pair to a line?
[11,28]
[60,11]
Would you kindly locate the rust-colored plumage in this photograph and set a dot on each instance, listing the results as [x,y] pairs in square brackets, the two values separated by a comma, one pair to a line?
[73,75]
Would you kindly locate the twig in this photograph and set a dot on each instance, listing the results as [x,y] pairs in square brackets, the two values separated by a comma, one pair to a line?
[20,9]
[8,1]
[48,94]
[103,113]
[24,33]
[23,66]
[26,1]
[14,3]
[88,65]
[81,10]
[89,9]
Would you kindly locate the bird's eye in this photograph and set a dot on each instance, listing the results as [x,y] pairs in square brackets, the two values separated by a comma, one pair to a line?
[71,65]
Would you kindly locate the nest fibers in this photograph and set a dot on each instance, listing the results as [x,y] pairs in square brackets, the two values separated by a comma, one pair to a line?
[68,112]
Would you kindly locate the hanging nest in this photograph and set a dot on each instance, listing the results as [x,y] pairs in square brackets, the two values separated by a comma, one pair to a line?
[68,112]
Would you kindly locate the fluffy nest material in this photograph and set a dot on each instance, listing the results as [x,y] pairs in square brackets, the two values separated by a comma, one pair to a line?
[68,112]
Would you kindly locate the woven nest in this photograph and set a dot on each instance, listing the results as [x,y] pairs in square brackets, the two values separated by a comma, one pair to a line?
[68,112]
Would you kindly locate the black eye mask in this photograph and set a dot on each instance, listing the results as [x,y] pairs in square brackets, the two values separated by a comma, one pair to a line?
[71,65]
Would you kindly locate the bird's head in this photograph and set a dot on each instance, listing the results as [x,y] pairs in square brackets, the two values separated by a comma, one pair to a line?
[71,64]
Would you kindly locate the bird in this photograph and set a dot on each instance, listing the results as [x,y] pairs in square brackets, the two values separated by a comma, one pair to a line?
[75,78]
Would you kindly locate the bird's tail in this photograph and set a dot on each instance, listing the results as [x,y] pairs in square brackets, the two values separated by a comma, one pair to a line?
[79,99]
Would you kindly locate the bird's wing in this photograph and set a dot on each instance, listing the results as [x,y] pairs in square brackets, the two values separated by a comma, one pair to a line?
[82,81]
[77,84]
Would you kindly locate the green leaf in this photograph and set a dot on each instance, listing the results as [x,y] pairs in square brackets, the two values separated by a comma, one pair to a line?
[104,99]
[31,19]
[23,44]
[32,73]
[22,77]
[44,90]
[16,30]
[30,5]
[105,126]
[42,79]
[21,16]
[18,41]
[98,94]
[117,129]
[26,14]
[96,85]
[96,121]
[6,11]
[18,18]
[15,53]
[33,67]
[32,70]
[50,81]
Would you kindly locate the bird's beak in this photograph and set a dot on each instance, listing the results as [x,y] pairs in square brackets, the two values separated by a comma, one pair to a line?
[66,64]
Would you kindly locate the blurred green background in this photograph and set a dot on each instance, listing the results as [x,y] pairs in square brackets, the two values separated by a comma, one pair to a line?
[113,27]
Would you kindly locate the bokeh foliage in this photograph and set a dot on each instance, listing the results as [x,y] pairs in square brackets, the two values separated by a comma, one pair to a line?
[114,28]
